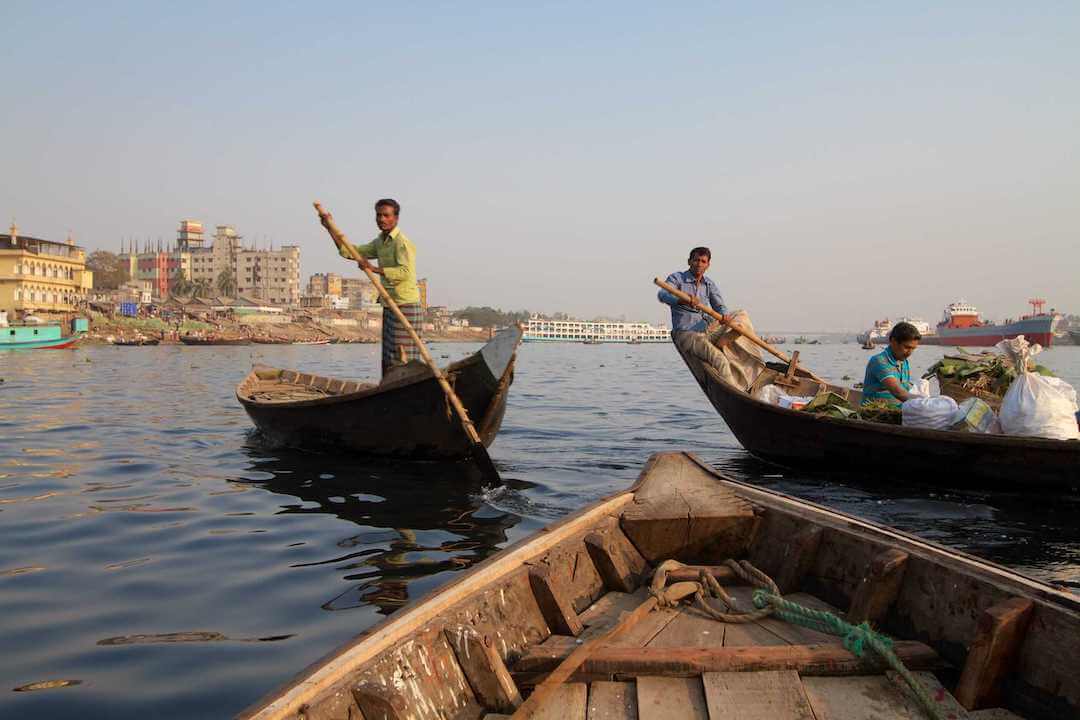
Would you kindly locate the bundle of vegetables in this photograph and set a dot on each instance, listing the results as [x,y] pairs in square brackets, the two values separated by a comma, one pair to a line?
[831,405]
[984,374]
[880,411]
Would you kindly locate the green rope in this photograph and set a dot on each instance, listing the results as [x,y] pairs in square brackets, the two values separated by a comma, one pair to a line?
[857,640]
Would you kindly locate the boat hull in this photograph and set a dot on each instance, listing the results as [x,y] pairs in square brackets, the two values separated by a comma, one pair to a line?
[47,344]
[796,439]
[409,419]
[1038,329]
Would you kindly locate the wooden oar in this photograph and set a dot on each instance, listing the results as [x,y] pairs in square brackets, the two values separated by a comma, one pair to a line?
[690,300]
[478,451]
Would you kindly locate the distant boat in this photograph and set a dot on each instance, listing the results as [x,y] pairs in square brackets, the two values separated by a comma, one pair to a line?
[775,339]
[961,325]
[47,336]
[135,341]
[213,340]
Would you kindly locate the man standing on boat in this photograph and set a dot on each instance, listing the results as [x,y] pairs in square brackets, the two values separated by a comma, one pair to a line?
[397,266]
[684,316]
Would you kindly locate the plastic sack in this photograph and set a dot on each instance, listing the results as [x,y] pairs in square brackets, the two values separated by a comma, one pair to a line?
[975,415]
[932,413]
[921,387]
[1034,405]
[776,396]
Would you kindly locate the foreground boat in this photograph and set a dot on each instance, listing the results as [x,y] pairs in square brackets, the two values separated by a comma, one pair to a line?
[405,415]
[570,606]
[45,336]
[800,439]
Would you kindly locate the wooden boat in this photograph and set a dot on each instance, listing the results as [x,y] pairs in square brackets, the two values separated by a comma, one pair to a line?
[405,415]
[135,341]
[798,439]
[270,341]
[213,340]
[568,615]
[41,336]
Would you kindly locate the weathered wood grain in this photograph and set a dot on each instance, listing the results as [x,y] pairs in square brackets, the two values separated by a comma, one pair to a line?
[553,603]
[879,587]
[767,695]
[871,697]
[993,653]
[619,563]
[664,698]
[484,669]
[612,701]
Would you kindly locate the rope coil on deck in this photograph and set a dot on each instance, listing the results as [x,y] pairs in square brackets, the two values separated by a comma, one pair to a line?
[768,601]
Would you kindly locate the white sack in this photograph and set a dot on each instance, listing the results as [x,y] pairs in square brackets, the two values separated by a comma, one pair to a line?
[921,387]
[1034,405]
[932,413]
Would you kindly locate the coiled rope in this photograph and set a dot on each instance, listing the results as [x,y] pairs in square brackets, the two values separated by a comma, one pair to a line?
[768,601]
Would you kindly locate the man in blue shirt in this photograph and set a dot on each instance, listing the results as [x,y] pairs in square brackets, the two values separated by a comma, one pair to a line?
[685,317]
[888,374]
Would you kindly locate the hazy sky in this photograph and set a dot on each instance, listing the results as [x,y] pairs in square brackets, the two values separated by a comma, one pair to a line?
[843,162]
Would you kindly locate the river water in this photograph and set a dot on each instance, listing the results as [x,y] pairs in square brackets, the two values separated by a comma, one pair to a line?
[156,555]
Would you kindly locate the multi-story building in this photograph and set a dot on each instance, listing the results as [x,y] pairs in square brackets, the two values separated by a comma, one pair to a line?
[38,274]
[268,275]
[324,284]
[360,291]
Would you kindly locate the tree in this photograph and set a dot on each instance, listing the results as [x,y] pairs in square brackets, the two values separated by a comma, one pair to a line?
[180,284]
[226,283]
[110,270]
[487,316]
[201,288]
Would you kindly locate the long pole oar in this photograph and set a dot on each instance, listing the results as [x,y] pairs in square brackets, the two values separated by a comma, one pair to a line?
[479,452]
[692,302]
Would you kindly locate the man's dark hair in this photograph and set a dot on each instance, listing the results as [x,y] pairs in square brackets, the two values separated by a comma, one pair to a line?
[701,251]
[389,202]
[904,332]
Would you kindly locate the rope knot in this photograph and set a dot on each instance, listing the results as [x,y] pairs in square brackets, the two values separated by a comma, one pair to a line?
[861,636]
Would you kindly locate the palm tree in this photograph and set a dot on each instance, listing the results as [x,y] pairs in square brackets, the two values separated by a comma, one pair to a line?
[180,284]
[201,288]
[226,283]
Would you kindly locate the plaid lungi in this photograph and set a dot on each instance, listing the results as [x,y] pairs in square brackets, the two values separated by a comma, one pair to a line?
[395,336]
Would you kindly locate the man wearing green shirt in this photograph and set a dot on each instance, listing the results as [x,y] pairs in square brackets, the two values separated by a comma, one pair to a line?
[397,266]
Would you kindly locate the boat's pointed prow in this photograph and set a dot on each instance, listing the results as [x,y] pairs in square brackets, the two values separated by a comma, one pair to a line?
[498,351]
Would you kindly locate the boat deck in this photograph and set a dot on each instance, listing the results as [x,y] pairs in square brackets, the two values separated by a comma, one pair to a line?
[270,385]
[808,688]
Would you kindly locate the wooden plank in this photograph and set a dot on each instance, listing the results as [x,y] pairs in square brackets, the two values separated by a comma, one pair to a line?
[756,696]
[680,511]
[641,634]
[568,702]
[604,613]
[376,701]
[944,702]
[663,698]
[871,697]
[787,632]
[993,653]
[484,669]
[554,604]
[619,563]
[612,701]
[879,588]
[687,661]
[723,574]
[690,628]
[797,558]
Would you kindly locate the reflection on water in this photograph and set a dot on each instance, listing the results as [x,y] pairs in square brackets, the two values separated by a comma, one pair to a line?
[405,502]
[158,560]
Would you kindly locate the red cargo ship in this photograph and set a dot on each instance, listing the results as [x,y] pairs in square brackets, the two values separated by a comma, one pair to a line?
[962,326]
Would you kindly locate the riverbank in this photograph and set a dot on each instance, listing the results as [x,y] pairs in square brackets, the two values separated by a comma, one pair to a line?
[105,329]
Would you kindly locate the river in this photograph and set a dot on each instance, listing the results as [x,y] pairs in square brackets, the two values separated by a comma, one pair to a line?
[160,558]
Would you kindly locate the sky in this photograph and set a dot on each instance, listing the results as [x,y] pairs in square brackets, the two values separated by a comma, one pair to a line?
[843,161]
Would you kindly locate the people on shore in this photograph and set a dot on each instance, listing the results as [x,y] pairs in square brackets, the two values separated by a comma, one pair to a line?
[397,268]
[688,317]
[888,374]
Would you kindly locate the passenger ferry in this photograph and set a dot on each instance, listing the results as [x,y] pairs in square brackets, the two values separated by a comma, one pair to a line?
[541,329]
[39,336]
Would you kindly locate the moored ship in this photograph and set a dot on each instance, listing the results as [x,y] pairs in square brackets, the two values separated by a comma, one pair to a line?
[961,325]
[39,336]
[879,334]
[541,329]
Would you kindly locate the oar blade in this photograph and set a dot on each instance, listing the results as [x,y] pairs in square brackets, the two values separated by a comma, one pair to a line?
[484,463]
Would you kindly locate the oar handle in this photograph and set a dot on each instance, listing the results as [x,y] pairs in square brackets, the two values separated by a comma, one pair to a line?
[341,241]
[690,300]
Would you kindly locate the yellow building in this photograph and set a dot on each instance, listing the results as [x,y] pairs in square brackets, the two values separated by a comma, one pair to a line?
[38,274]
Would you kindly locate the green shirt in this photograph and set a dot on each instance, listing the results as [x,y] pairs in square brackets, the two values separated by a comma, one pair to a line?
[397,260]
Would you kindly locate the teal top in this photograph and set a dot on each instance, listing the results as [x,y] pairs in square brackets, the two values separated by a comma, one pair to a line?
[881,366]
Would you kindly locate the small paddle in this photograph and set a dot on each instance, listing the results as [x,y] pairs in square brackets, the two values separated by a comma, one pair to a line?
[692,302]
[478,451]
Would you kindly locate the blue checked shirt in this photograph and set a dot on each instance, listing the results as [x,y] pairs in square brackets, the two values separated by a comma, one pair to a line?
[706,293]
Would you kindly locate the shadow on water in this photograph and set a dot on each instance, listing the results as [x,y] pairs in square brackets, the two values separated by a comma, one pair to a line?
[414,519]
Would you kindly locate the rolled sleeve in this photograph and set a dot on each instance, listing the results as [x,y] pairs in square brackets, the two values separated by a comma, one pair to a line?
[716,299]
[664,296]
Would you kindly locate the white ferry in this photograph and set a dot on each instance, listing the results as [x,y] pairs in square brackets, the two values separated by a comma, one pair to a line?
[541,329]
[879,334]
